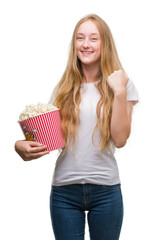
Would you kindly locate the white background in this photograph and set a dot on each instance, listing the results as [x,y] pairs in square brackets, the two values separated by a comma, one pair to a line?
[34,45]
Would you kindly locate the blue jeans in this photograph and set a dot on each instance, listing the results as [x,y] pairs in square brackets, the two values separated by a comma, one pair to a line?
[104,204]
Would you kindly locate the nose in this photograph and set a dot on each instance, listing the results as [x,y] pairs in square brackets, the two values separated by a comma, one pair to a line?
[86,43]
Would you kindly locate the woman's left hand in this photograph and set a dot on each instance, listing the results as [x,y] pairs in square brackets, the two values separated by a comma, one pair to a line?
[117,81]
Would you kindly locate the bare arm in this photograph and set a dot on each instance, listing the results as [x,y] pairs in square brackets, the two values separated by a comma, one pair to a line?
[122,110]
[121,119]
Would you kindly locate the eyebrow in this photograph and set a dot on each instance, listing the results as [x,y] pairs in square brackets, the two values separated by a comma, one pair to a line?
[90,34]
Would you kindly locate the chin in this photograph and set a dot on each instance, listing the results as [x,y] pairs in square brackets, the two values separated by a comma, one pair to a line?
[87,61]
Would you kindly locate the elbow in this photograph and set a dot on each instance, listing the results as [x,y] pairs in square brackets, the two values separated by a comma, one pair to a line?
[121,140]
[119,144]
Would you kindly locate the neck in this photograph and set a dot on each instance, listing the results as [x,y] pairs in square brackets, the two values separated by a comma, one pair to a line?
[90,73]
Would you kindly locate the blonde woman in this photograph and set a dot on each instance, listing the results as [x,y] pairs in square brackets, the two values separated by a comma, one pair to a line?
[96,99]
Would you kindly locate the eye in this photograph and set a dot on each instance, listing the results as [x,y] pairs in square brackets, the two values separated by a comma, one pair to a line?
[79,38]
[94,39]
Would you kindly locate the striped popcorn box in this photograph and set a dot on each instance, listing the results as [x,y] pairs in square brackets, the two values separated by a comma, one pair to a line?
[44,128]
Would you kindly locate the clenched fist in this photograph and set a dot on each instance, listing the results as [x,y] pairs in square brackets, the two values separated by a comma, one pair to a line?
[117,81]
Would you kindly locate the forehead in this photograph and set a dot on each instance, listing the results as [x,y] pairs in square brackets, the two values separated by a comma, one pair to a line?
[87,27]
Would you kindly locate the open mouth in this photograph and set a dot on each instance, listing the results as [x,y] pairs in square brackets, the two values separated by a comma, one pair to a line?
[86,52]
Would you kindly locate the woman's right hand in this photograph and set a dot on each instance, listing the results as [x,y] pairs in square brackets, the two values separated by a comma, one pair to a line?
[29,150]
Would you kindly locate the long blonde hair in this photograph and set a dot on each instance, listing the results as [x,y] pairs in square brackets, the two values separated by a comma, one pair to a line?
[67,95]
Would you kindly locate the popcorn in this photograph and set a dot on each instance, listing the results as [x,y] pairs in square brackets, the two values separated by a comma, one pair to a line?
[35,110]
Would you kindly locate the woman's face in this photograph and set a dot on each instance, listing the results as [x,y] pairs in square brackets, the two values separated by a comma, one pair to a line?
[88,43]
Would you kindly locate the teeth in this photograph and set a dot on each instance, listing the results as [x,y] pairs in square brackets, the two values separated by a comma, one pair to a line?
[87,52]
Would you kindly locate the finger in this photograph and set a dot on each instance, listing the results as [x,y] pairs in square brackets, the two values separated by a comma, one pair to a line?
[35,144]
[38,149]
[126,75]
[38,155]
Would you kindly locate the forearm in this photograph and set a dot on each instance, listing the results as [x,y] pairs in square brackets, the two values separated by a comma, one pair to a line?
[120,125]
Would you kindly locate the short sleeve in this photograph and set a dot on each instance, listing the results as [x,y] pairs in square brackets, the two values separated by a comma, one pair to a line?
[51,100]
[131,92]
